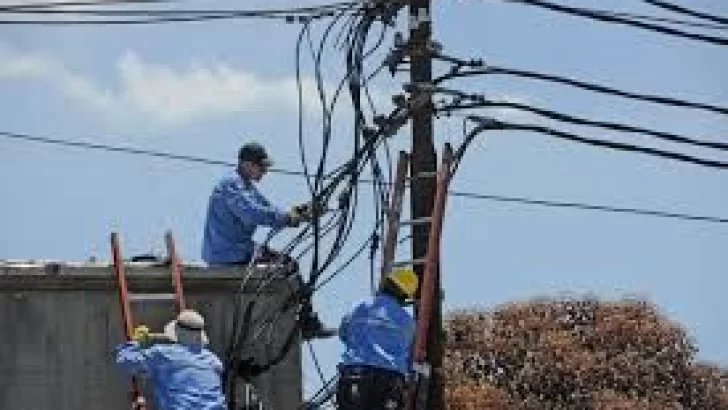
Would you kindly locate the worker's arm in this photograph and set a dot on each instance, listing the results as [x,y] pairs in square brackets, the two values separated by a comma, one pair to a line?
[131,357]
[249,205]
[356,313]
[344,328]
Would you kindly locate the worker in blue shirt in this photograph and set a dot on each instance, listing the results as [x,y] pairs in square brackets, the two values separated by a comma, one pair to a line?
[184,373]
[378,337]
[236,208]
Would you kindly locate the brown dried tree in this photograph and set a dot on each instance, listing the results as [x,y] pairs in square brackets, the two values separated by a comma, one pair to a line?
[576,354]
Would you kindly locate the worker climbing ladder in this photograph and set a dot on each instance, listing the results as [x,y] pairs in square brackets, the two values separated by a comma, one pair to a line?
[138,402]
[430,263]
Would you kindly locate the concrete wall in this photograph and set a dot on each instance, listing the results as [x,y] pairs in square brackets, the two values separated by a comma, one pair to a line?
[59,324]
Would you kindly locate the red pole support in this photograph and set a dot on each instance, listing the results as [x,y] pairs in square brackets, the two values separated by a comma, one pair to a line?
[138,402]
[431,270]
[176,271]
[394,213]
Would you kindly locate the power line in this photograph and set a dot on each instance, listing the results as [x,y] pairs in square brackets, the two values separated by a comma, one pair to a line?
[158,16]
[657,99]
[323,395]
[684,10]
[454,193]
[669,20]
[598,15]
[131,150]
[34,6]
[481,102]
[575,205]
[653,18]
[620,146]
[184,12]
[315,360]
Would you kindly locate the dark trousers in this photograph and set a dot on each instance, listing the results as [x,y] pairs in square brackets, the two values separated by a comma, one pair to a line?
[369,388]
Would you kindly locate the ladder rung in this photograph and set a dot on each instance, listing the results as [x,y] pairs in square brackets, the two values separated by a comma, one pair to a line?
[422,175]
[412,262]
[417,221]
[143,297]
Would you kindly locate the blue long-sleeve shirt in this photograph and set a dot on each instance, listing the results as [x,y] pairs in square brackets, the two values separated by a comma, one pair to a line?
[183,377]
[236,208]
[378,333]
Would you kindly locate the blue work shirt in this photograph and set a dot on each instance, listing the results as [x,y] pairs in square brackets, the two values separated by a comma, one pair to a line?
[184,377]
[236,208]
[378,333]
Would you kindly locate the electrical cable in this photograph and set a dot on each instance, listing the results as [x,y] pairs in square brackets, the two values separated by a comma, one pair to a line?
[652,18]
[481,102]
[302,14]
[468,138]
[346,178]
[589,207]
[453,193]
[316,362]
[326,117]
[323,395]
[685,23]
[326,133]
[106,11]
[51,5]
[684,10]
[350,174]
[357,39]
[596,15]
[490,70]
[318,181]
[501,125]
[343,266]
[299,91]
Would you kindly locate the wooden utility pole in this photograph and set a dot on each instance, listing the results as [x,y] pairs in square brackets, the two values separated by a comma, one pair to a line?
[423,167]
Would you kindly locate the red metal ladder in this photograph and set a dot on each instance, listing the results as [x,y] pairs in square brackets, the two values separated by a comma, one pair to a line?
[430,262]
[125,299]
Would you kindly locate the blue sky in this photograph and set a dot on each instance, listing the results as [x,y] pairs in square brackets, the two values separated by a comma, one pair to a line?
[203,89]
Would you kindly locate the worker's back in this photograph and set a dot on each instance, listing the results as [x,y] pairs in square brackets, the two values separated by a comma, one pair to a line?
[236,208]
[183,377]
[378,333]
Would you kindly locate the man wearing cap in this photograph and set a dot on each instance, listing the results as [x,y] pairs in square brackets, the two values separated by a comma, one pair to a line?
[378,336]
[184,373]
[236,208]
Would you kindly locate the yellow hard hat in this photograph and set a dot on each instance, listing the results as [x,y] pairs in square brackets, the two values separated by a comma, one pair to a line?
[406,280]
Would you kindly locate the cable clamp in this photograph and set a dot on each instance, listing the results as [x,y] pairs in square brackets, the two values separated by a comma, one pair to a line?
[422,369]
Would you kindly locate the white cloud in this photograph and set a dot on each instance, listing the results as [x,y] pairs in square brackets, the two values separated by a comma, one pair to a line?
[199,91]
[154,92]
[13,65]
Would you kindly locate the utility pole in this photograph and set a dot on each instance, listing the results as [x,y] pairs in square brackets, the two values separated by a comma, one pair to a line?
[423,167]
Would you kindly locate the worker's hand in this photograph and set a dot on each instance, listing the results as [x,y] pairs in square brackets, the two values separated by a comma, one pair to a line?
[140,334]
[294,218]
[310,210]
[304,213]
